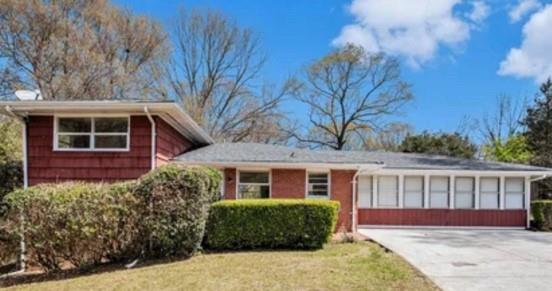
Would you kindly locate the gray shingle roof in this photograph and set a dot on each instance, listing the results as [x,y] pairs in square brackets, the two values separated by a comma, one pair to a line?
[227,153]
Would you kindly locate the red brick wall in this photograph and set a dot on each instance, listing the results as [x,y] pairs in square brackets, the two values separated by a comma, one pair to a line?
[342,191]
[288,183]
[442,217]
[170,142]
[47,165]
[229,183]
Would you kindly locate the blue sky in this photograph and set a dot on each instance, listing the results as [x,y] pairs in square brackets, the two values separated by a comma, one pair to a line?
[451,50]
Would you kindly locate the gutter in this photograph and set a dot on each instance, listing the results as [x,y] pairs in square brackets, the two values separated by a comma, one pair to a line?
[153,137]
[21,119]
[539,178]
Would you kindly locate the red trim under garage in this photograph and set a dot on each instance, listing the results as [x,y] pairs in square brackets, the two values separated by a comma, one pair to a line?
[442,217]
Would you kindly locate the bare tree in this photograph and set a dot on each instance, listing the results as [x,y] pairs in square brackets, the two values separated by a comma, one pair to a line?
[349,93]
[79,49]
[505,121]
[386,139]
[215,72]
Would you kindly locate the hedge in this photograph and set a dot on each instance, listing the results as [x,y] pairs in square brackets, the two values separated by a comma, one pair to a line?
[161,214]
[542,214]
[248,224]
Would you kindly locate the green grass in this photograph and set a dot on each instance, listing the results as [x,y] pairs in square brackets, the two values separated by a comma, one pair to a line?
[355,266]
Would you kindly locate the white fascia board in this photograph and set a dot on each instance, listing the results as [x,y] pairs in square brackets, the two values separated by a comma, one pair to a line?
[168,111]
[281,165]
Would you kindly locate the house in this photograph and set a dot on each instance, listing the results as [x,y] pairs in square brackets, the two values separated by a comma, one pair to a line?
[119,140]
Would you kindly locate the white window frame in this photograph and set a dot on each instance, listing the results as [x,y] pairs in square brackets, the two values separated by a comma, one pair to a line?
[523,193]
[307,184]
[379,205]
[406,192]
[457,192]
[91,134]
[483,193]
[238,183]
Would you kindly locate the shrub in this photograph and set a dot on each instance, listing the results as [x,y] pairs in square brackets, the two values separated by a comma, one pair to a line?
[11,177]
[542,214]
[176,202]
[246,224]
[75,222]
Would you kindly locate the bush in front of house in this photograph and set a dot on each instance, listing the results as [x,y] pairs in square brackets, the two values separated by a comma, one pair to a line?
[542,214]
[277,223]
[176,201]
[161,214]
[80,223]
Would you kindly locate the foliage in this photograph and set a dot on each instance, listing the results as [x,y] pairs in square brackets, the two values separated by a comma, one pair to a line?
[246,224]
[162,214]
[215,72]
[513,150]
[542,214]
[79,49]
[175,201]
[454,145]
[538,134]
[10,140]
[75,222]
[349,93]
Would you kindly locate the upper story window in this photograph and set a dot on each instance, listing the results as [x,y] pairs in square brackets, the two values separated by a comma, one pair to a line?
[91,133]
[318,185]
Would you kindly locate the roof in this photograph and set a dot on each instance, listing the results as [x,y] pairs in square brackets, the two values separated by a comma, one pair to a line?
[259,154]
[169,111]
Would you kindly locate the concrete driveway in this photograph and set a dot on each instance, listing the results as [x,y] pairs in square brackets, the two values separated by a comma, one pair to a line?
[474,259]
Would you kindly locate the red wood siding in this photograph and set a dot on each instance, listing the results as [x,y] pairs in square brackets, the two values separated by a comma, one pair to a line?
[47,166]
[442,217]
[170,142]
[288,183]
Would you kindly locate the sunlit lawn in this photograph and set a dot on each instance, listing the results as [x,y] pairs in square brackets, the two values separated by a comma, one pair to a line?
[356,266]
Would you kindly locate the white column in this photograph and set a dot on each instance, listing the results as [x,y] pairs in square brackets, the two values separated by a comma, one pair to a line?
[452,188]
[502,192]
[477,192]
[401,191]
[426,191]
[374,191]
[528,200]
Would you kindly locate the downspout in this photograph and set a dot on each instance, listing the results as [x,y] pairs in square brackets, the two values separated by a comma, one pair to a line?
[354,206]
[153,137]
[22,257]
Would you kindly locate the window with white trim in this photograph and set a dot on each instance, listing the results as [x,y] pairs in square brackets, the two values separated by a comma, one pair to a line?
[254,184]
[92,133]
[388,191]
[365,191]
[514,192]
[464,193]
[438,192]
[413,192]
[489,193]
[318,186]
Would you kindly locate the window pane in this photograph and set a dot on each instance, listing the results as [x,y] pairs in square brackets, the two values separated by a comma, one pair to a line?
[364,191]
[464,193]
[318,184]
[254,191]
[73,141]
[111,124]
[318,178]
[388,191]
[413,192]
[514,185]
[110,141]
[74,125]
[514,193]
[253,177]
[439,191]
[489,193]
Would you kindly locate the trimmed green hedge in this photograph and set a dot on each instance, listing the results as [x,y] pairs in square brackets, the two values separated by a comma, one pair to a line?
[275,223]
[542,214]
[162,214]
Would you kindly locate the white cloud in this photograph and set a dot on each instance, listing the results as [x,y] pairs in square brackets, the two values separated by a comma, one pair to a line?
[411,29]
[479,12]
[523,7]
[533,59]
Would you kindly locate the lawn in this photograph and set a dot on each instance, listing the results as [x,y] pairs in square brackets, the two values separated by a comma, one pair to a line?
[353,266]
